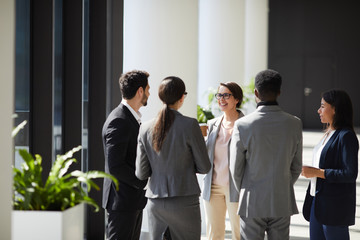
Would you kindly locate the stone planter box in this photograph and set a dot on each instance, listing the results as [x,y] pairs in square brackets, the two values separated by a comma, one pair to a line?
[45,225]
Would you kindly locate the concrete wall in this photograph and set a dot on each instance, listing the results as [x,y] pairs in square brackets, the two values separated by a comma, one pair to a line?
[161,37]
[7,43]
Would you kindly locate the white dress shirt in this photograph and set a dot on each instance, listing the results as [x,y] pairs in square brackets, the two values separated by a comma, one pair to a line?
[137,115]
[316,158]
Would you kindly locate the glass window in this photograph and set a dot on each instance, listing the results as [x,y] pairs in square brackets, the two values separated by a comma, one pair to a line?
[85,97]
[57,77]
[22,75]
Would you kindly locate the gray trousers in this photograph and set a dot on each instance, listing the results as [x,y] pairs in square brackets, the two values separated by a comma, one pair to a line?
[255,228]
[180,214]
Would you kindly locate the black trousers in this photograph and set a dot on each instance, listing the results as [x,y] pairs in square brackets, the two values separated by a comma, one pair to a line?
[123,225]
[167,235]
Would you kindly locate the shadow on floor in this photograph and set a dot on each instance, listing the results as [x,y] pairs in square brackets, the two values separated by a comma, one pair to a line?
[292,238]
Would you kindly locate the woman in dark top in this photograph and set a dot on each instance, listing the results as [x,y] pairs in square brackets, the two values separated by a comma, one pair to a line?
[331,196]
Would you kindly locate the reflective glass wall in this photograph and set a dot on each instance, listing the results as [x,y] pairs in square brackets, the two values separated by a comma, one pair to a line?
[57,78]
[85,86]
[22,75]
[65,53]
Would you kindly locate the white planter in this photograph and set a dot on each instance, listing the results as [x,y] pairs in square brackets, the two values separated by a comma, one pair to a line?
[45,225]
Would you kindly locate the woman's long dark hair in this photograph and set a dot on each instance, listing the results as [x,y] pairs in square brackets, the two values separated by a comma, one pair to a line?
[170,91]
[340,100]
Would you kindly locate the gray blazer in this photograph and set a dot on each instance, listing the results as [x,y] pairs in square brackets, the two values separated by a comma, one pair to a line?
[172,171]
[213,132]
[265,162]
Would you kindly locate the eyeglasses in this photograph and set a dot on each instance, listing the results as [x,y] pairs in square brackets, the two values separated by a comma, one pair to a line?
[226,96]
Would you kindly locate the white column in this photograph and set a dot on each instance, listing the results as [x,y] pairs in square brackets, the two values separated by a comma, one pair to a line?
[7,49]
[160,36]
[221,50]
[256,37]
[221,44]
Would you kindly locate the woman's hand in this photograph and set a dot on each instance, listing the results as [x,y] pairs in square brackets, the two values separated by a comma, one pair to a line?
[310,172]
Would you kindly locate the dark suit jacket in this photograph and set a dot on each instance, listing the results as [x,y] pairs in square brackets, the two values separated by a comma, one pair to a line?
[119,134]
[335,198]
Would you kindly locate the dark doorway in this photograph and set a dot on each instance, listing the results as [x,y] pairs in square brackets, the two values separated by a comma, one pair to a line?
[315,45]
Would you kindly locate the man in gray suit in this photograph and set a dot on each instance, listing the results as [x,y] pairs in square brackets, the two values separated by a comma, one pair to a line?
[265,162]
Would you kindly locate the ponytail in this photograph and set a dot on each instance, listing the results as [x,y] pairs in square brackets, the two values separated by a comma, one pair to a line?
[163,123]
[171,90]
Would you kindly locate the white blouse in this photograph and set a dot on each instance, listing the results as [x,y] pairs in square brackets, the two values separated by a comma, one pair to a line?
[221,160]
[316,158]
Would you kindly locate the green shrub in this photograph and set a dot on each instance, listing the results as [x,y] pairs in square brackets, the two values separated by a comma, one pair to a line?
[61,190]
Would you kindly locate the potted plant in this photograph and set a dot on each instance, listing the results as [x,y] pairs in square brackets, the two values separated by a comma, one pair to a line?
[53,209]
[205,114]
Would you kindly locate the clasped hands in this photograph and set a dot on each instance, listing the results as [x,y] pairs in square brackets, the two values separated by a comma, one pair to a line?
[310,172]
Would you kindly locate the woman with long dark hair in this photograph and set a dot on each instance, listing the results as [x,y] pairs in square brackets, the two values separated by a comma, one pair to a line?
[330,200]
[171,150]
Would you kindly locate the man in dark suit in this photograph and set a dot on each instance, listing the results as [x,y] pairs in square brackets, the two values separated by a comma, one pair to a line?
[124,207]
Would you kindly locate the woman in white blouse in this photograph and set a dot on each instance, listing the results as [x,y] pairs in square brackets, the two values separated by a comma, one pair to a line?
[219,190]
[330,200]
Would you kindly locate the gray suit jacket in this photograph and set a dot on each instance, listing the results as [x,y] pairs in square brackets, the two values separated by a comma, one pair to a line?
[172,171]
[265,162]
[213,131]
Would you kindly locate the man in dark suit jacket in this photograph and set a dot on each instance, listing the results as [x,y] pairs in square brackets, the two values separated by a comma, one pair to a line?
[124,207]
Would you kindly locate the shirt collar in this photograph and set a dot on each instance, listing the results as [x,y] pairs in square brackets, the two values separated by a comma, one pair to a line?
[268,103]
[137,115]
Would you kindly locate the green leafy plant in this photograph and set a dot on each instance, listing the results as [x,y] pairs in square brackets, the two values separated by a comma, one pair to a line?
[61,190]
[248,91]
[203,115]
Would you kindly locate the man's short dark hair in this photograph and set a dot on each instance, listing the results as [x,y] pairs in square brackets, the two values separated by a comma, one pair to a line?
[131,81]
[268,83]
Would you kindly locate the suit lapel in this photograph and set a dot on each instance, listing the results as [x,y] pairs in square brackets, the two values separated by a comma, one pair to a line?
[323,156]
[240,116]
[326,148]
[214,131]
